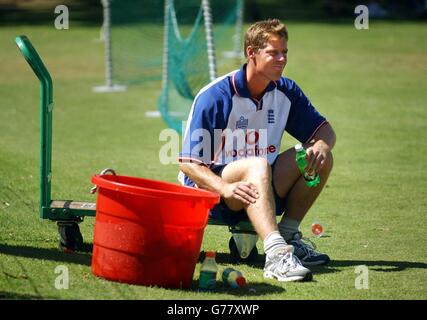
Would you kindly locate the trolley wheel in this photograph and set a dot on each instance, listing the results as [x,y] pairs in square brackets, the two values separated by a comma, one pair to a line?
[235,255]
[70,237]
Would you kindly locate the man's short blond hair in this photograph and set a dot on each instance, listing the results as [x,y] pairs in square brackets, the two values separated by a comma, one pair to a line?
[260,32]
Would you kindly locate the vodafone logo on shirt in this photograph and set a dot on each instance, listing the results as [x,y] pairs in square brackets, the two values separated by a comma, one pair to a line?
[244,143]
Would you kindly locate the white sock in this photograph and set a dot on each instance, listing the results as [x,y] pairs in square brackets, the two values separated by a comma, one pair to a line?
[273,242]
[288,227]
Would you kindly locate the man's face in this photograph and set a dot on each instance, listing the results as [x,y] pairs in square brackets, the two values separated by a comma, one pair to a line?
[271,60]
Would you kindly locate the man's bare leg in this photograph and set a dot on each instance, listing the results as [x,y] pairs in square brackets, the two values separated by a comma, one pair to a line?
[289,182]
[280,263]
[261,213]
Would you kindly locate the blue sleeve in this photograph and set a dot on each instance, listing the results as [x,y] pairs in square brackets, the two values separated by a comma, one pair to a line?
[304,119]
[201,140]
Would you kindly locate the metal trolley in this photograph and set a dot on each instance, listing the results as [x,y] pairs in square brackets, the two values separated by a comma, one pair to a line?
[68,213]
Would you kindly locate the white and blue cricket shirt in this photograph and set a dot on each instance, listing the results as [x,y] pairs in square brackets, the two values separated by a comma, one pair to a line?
[226,124]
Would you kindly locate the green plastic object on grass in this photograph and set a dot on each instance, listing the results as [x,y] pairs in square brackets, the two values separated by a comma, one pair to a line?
[208,272]
[310,180]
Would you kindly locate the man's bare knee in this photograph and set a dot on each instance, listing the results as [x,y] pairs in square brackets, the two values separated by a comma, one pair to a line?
[258,168]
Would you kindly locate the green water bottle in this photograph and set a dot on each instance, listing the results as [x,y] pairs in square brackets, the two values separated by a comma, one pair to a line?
[310,180]
[208,271]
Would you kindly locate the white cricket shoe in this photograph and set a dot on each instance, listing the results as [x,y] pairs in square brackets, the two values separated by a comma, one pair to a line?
[283,265]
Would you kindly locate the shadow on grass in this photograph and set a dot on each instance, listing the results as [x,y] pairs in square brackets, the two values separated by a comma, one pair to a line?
[377,265]
[226,258]
[18,296]
[336,265]
[83,258]
[253,289]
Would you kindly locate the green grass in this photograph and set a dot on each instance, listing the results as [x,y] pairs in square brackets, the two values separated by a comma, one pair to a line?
[372,87]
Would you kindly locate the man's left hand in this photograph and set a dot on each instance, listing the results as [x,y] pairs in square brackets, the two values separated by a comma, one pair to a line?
[316,156]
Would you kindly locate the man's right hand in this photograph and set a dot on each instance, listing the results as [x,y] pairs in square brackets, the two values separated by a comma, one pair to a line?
[242,191]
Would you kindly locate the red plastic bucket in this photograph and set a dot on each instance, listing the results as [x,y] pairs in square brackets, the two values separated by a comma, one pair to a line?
[148,232]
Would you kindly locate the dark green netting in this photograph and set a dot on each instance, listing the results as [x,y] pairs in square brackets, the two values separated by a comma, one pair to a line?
[138,28]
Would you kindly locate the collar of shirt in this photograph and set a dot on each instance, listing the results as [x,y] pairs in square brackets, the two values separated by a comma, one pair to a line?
[240,84]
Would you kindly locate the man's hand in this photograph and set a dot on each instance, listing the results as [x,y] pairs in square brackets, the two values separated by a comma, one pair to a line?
[243,191]
[316,156]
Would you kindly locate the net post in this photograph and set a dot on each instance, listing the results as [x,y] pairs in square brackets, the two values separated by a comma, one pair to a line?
[236,52]
[239,27]
[109,86]
[165,70]
[209,39]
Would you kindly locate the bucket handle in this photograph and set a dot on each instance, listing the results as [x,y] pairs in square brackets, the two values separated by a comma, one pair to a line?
[105,171]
